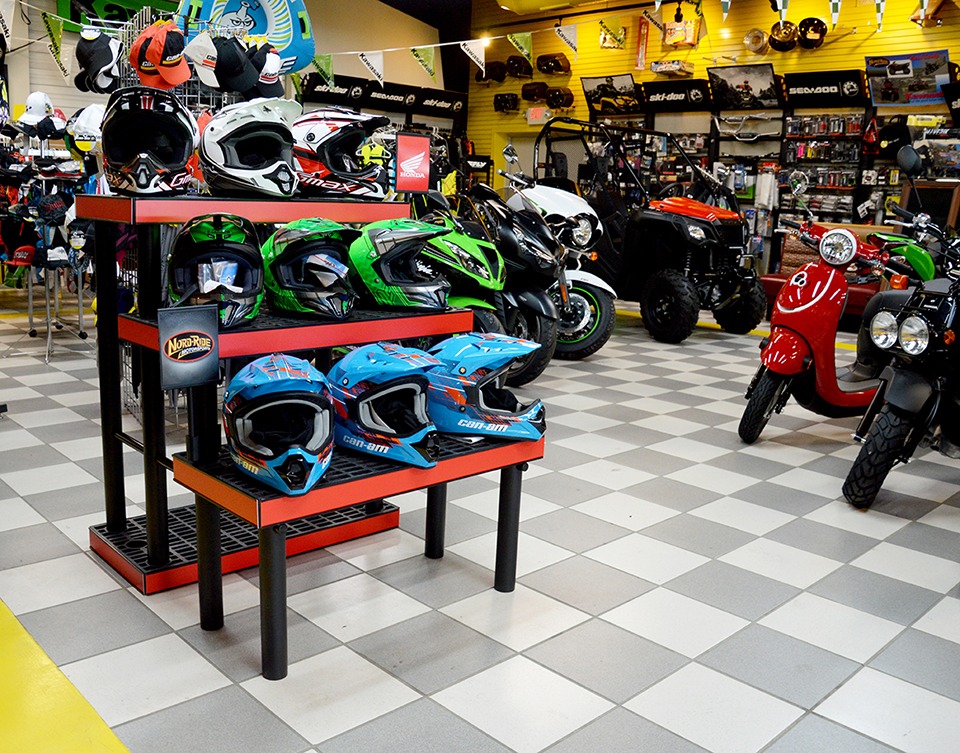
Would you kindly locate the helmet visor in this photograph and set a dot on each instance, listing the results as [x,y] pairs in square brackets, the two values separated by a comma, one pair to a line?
[257,146]
[395,409]
[161,135]
[269,427]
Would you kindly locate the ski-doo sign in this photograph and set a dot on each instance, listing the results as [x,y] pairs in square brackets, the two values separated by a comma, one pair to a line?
[360,92]
[951,94]
[677,95]
[826,89]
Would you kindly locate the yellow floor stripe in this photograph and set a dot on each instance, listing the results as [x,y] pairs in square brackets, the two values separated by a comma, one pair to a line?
[40,710]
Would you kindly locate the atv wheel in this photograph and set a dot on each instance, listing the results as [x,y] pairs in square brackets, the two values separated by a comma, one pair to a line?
[588,324]
[745,313]
[539,329]
[669,306]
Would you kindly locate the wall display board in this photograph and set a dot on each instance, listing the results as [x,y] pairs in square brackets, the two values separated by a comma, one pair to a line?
[745,87]
[678,95]
[951,94]
[908,80]
[366,93]
[613,95]
[825,89]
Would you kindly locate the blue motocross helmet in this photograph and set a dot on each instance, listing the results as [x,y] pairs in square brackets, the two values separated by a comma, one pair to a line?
[278,419]
[379,396]
[467,395]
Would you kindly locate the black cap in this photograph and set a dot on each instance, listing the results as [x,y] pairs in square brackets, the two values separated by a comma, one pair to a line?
[266,62]
[234,70]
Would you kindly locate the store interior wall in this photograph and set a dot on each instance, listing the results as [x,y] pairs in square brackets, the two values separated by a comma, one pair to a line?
[855,37]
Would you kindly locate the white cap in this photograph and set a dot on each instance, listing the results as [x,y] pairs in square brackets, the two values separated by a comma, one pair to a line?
[39,106]
[85,129]
[203,52]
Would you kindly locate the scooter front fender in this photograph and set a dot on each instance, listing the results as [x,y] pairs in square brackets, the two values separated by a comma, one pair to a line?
[533,299]
[787,353]
[907,390]
[578,275]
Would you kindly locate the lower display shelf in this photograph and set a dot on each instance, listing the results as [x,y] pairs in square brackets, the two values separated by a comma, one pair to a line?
[126,551]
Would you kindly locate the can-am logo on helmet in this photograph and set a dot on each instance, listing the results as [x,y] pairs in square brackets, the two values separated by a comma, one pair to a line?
[188,346]
[410,167]
[369,446]
[468,424]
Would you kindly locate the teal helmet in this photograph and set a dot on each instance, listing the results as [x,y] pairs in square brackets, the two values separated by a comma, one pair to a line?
[305,271]
[388,266]
[215,258]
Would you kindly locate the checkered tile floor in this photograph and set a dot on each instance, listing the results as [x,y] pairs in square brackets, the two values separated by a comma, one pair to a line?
[678,591]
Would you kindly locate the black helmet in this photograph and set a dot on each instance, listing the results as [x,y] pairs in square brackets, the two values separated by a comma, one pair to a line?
[147,138]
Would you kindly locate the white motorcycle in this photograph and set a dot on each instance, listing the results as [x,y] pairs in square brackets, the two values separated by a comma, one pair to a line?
[584,301]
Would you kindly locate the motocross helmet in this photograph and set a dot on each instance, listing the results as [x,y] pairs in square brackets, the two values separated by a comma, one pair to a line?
[327,147]
[216,258]
[467,395]
[247,148]
[387,264]
[278,420]
[147,136]
[379,396]
[305,270]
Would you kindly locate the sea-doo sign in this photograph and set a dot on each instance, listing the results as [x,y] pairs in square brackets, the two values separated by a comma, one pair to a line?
[677,95]
[189,350]
[826,89]
[361,93]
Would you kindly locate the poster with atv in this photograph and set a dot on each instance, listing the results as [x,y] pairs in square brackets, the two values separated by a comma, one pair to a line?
[745,87]
[907,80]
[613,95]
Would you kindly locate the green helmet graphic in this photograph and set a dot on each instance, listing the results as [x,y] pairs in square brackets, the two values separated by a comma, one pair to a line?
[388,265]
[305,270]
[216,258]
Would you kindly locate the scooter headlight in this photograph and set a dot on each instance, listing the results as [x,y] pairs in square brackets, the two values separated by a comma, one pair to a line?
[914,335]
[838,247]
[583,232]
[883,330]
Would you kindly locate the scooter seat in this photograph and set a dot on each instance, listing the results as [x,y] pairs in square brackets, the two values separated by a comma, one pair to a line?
[856,378]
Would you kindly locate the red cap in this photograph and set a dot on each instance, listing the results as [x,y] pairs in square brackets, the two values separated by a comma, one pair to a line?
[146,70]
[166,54]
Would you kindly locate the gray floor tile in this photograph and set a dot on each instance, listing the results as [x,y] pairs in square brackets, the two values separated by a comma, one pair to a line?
[225,721]
[83,628]
[94,466]
[420,727]
[901,505]
[814,734]
[562,489]
[27,458]
[776,497]
[461,523]
[699,535]
[890,598]
[708,418]
[607,659]
[308,571]
[25,546]
[466,487]
[431,651]
[673,494]
[557,458]
[572,530]
[733,589]
[60,504]
[574,582]
[748,465]
[827,541]
[650,461]
[932,470]
[830,465]
[795,671]
[923,659]
[234,649]
[436,583]
[636,435]
[621,731]
[929,539]
[78,430]
[621,413]
[728,440]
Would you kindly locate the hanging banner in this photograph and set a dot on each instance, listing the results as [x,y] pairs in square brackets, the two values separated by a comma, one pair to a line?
[834,12]
[323,64]
[120,11]
[474,50]
[425,56]
[54,28]
[613,36]
[656,5]
[568,35]
[881,6]
[907,80]
[656,21]
[822,89]
[373,62]
[6,18]
[725,7]
[524,44]
[643,31]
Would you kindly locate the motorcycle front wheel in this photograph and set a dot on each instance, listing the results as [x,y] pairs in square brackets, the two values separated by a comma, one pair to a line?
[767,392]
[486,322]
[669,306]
[586,324]
[885,440]
[537,328]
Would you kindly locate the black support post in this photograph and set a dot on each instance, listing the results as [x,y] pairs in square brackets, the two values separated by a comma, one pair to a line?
[508,528]
[203,445]
[273,601]
[436,521]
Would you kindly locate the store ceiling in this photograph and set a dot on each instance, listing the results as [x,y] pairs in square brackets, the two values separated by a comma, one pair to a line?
[439,14]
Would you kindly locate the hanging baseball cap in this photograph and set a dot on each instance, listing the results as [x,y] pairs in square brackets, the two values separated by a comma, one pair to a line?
[97,56]
[203,53]
[146,70]
[52,210]
[38,107]
[266,61]
[222,63]
[166,53]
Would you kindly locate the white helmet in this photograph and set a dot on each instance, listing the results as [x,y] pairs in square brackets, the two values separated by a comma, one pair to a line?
[248,148]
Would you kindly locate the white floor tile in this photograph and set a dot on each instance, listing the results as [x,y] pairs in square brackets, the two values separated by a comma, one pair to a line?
[906,482]
[575,402]
[331,693]
[46,377]
[518,619]
[533,553]
[668,425]
[810,482]
[596,445]
[678,622]
[384,548]
[715,711]
[779,452]
[49,417]
[652,560]
[725,407]
[944,516]
[86,397]
[415,500]
[688,449]
[584,421]
[781,562]
[136,680]
[13,438]
[915,567]
[180,607]
[839,514]
[744,516]
[653,405]
[943,620]
[9,394]
[626,510]
[487,504]
[47,479]
[51,582]
[610,475]
[838,628]
[502,702]
[895,712]
[78,529]
[713,479]
[15,513]
[355,606]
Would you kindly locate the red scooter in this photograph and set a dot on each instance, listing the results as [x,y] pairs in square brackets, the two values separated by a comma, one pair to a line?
[798,358]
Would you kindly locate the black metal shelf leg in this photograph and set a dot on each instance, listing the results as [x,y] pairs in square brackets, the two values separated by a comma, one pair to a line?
[508,528]
[436,521]
[273,601]
[209,564]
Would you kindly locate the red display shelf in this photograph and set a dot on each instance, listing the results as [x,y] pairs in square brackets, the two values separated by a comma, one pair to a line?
[176,209]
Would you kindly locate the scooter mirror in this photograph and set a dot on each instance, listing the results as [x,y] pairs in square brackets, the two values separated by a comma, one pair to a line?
[798,182]
[910,161]
[510,154]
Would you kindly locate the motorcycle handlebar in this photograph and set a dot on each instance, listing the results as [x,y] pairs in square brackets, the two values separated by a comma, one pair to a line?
[900,211]
[900,268]
[791,224]
[521,180]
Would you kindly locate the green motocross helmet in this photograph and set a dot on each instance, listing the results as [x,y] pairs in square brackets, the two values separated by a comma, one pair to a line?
[387,265]
[215,258]
[305,271]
